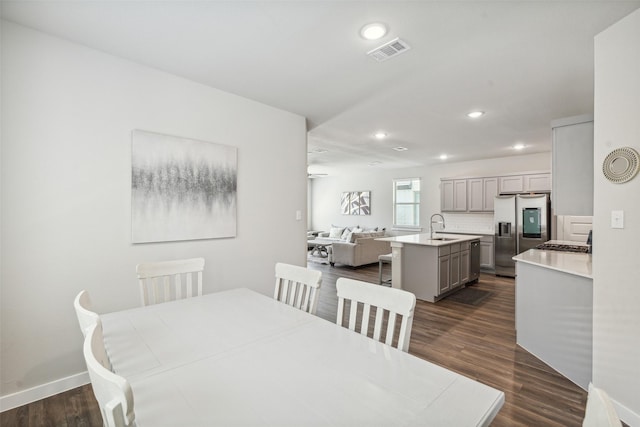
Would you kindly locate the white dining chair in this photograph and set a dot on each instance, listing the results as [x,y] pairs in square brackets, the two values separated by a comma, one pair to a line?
[394,301]
[297,286]
[600,411]
[86,317]
[162,281]
[113,393]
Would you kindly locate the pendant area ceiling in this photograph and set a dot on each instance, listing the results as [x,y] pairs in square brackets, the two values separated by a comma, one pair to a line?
[524,63]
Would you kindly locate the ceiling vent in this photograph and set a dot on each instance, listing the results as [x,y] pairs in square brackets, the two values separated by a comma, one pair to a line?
[388,50]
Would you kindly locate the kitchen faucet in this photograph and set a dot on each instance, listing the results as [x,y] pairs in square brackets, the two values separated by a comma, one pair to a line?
[431,222]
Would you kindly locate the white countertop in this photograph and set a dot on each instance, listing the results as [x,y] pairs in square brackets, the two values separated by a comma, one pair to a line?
[481,232]
[578,264]
[425,239]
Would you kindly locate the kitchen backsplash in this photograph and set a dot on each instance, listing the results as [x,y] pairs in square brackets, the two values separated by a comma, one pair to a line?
[481,223]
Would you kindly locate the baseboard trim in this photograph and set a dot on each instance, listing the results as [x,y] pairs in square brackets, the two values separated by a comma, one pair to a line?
[43,391]
[627,415]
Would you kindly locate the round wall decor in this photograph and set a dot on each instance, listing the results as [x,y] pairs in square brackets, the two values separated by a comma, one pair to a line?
[621,165]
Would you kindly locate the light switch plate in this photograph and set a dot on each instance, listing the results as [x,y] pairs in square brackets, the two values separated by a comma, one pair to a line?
[617,219]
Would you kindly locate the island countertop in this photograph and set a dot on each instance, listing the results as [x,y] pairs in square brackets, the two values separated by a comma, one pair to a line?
[578,264]
[425,239]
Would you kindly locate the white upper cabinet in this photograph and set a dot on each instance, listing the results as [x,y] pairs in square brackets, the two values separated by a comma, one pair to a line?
[446,195]
[512,184]
[478,194]
[460,195]
[481,192]
[537,183]
[475,194]
[526,183]
[489,193]
[453,195]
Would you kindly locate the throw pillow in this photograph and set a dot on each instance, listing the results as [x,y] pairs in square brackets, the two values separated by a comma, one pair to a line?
[345,233]
[349,237]
[335,233]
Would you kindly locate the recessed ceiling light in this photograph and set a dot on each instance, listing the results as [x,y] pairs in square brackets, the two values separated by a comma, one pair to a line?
[518,146]
[375,163]
[400,148]
[443,157]
[380,135]
[475,114]
[373,31]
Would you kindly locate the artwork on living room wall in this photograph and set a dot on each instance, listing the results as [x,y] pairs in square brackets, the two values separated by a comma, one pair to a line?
[355,203]
[181,188]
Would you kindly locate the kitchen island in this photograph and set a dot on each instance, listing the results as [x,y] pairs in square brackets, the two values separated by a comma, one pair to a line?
[554,310]
[432,268]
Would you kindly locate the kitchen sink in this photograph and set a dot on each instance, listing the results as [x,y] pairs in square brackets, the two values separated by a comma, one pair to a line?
[445,239]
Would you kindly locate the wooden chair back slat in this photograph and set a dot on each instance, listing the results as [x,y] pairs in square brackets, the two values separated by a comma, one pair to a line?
[394,302]
[297,286]
[163,281]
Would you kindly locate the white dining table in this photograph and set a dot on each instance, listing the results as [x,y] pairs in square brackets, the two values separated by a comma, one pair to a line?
[239,358]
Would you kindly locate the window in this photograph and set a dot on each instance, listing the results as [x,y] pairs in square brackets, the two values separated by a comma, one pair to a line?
[406,202]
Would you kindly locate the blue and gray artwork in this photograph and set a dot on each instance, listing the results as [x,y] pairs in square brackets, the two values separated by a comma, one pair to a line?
[181,189]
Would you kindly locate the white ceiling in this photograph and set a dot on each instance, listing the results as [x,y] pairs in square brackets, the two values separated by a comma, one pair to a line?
[523,62]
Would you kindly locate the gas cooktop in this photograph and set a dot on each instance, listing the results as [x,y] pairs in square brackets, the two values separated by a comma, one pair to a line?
[563,247]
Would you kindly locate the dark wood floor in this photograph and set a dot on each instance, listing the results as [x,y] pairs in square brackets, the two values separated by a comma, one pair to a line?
[475,341]
[74,408]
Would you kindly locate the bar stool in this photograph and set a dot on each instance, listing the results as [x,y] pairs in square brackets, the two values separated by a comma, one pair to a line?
[383,259]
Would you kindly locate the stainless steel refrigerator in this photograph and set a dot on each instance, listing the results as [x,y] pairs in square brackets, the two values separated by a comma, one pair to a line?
[521,223]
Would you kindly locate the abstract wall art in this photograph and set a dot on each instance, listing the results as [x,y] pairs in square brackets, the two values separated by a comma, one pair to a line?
[181,188]
[355,203]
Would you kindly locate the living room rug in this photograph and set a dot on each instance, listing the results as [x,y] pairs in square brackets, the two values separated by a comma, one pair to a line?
[470,296]
[317,259]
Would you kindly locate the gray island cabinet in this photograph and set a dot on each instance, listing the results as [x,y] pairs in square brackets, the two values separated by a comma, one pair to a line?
[432,268]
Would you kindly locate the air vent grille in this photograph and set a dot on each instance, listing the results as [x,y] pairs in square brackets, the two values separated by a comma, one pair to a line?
[388,50]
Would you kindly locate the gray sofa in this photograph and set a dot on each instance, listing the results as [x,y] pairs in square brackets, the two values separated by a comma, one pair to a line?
[361,249]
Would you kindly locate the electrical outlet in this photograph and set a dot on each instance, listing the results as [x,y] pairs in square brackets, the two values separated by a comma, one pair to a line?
[617,219]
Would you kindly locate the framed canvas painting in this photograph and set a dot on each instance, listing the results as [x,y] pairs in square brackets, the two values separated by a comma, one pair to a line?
[355,203]
[181,188]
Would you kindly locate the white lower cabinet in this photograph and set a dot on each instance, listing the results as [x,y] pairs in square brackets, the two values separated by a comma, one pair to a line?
[465,266]
[444,274]
[454,268]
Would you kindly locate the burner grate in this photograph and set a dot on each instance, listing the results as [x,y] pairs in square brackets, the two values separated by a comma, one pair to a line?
[564,248]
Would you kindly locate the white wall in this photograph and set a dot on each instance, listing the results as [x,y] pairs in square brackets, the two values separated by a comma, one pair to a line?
[67,116]
[325,192]
[616,255]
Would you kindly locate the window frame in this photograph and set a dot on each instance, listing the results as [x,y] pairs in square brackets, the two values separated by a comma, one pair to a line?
[417,225]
